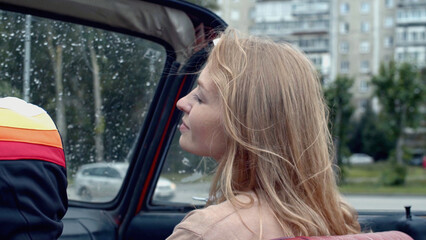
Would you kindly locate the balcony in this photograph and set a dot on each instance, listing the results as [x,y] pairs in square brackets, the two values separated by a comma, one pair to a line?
[316,8]
[411,16]
[411,3]
[313,45]
[286,28]
[407,43]
[315,49]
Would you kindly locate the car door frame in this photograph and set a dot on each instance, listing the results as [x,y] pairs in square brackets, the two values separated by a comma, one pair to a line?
[146,211]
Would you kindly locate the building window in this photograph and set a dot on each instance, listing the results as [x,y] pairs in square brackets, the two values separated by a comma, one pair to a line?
[400,57]
[344,66]
[403,36]
[388,41]
[365,66]
[317,44]
[365,27]
[317,61]
[416,13]
[389,3]
[344,28]
[365,7]
[235,15]
[344,8]
[363,104]
[363,86]
[416,57]
[414,36]
[344,47]
[364,47]
[389,22]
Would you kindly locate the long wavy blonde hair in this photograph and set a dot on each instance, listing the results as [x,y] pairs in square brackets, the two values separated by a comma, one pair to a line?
[279,146]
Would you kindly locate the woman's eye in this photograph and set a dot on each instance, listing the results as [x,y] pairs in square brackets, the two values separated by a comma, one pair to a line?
[197,98]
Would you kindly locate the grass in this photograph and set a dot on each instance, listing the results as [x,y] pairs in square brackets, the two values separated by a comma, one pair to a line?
[360,179]
[407,189]
[365,179]
[179,177]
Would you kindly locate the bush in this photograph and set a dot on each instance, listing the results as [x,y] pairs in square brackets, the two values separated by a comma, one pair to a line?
[341,174]
[394,174]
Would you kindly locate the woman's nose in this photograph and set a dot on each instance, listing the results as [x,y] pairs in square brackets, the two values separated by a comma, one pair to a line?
[183,105]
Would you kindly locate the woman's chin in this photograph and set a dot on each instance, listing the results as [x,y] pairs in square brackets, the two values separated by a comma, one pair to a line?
[183,143]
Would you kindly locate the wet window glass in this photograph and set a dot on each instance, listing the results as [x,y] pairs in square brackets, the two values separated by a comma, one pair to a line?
[185,178]
[95,84]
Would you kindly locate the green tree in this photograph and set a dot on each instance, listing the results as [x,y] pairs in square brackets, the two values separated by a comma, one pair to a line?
[62,82]
[6,90]
[371,135]
[401,91]
[338,98]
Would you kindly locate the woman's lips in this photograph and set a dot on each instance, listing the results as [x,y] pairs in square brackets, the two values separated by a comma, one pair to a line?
[183,127]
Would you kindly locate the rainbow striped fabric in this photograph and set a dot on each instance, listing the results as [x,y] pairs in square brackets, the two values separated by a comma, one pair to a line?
[27,132]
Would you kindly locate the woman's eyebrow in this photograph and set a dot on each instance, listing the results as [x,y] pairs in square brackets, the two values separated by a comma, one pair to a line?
[200,83]
[202,90]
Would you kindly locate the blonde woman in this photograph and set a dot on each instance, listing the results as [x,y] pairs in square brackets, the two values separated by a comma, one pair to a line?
[258,111]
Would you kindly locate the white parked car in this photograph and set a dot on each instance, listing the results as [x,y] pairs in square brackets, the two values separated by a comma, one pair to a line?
[360,158]
[102,181]
[165,189]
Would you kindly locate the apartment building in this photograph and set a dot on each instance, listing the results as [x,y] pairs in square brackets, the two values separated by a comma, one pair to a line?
[411,32]
[237,13]
[341,37]
[304,23]
[365,37]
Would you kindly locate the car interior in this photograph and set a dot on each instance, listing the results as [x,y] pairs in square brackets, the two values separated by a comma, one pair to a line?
[146,55]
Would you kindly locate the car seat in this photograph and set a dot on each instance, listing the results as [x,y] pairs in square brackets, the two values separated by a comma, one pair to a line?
[33,180]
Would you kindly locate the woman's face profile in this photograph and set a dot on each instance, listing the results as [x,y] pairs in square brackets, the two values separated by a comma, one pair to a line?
[201,128]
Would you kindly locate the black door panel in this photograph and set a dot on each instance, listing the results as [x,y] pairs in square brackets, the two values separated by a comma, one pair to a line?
[82,224]
[414,226]
[153,225]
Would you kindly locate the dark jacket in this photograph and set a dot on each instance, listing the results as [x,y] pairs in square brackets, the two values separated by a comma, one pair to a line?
[33,179]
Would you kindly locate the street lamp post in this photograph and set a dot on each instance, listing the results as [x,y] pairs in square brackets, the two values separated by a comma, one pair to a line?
[27,58]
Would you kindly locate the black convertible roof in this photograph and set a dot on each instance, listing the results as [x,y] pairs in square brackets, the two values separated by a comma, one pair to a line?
[181,25]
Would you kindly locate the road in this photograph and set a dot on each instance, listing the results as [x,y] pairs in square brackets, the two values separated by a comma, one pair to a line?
[187,192]
[360,202]
[387,202]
